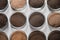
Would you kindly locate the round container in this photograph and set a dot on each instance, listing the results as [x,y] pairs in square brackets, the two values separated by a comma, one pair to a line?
[3,36]
[18,35]
[3,22]
[53,21]
[16,3]
[53,5]
[36,4]
[3,6]
[37,35]
[36,20]
[54,35]
[16,22]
